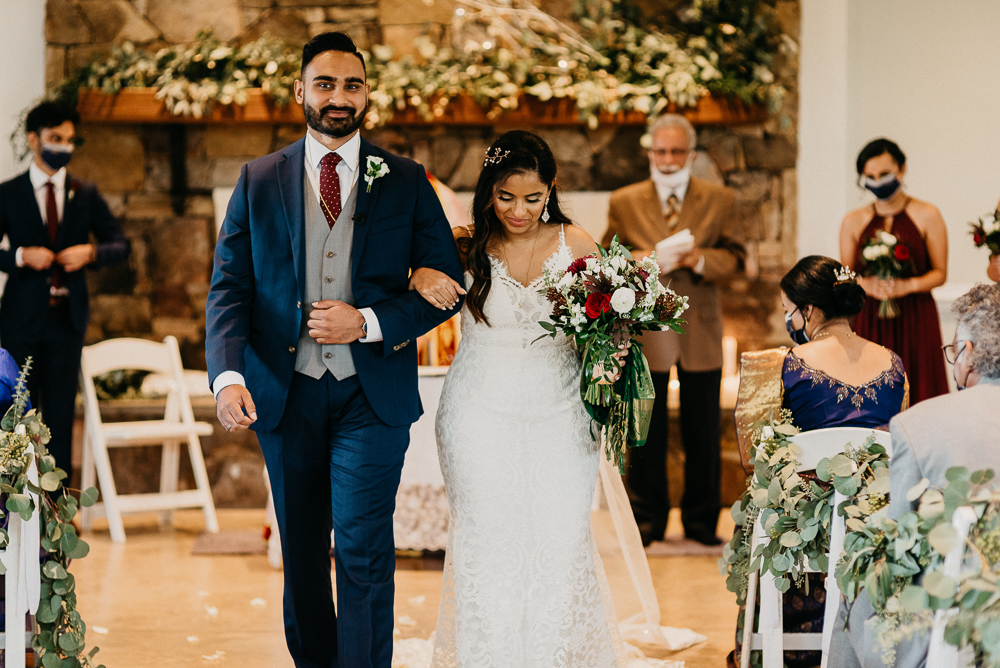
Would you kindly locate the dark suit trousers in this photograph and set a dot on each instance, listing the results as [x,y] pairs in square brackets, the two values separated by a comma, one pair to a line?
[332,462]
[647,474]
[54,377]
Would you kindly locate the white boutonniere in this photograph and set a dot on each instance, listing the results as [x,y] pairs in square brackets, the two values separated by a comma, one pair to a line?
[376,170]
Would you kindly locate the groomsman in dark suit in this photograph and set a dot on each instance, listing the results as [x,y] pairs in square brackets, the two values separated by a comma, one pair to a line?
[645,215]
[49,217]
[309,325]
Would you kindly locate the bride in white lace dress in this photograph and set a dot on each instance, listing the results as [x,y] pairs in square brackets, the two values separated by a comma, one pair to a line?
[523,584]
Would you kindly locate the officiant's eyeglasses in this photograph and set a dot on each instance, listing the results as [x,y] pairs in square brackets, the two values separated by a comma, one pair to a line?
[674,152]
[951,353]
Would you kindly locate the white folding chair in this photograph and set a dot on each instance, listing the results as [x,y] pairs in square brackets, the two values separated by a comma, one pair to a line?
[178,424]
[770,636]
[940,654]
[23,580]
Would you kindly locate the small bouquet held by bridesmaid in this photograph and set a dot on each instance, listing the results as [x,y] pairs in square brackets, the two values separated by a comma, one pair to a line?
[603,301]
[986,232]
[886,258]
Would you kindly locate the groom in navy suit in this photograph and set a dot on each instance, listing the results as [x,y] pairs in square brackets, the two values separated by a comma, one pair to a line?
[310,342]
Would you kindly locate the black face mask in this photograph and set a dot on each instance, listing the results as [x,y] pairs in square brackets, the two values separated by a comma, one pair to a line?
[799,336]
[883,188]
[56,156]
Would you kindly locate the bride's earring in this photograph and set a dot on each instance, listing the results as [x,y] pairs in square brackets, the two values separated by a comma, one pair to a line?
[545,212]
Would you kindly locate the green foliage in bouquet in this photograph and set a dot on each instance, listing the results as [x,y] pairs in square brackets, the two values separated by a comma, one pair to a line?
[61,637]
[795,511]
[899,565]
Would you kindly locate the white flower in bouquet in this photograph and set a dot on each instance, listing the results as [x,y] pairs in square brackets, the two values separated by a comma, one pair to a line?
[886,238]
[622,300]
[567,280]
[593,264]
[766,433]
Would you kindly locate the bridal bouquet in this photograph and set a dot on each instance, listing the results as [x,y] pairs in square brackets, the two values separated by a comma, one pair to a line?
[602,301]
[986,232]
[886,258]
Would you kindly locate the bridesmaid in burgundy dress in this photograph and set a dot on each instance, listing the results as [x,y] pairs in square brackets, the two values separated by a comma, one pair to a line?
[915,334]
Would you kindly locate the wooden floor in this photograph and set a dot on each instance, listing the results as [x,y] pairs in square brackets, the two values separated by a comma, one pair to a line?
[156,601]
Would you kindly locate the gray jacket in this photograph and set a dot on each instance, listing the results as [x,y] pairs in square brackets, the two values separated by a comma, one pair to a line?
[957,429]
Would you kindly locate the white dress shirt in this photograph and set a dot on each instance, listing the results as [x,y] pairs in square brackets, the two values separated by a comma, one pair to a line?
[673,184]
[347,170]
[38,181]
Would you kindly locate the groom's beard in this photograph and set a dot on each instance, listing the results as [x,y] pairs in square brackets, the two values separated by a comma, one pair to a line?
[320,120]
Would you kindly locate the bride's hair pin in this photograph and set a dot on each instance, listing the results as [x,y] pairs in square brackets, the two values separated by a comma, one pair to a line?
[844,274]
[494,157]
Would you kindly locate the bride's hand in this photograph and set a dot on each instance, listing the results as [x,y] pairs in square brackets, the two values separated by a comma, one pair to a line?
[436,287]
[611,376]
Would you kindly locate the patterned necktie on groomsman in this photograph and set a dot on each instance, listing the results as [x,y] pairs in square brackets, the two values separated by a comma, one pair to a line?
[329,187]
[672,212]
[52,226]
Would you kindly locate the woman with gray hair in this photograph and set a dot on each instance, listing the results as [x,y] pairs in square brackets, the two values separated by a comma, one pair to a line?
[956,429]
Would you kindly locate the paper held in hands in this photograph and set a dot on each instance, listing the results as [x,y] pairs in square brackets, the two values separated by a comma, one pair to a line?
[673,248]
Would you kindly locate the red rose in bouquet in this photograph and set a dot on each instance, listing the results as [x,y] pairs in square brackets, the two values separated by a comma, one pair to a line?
[901,252]
[597,304]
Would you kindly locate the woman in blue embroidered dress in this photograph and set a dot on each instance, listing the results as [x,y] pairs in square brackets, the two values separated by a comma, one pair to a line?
[831,378]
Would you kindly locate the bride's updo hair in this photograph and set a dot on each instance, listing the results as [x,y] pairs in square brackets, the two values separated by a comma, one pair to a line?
[825,284]
[515,152]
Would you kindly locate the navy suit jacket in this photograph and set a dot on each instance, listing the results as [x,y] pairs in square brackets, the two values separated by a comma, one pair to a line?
[256,303]
[26,297]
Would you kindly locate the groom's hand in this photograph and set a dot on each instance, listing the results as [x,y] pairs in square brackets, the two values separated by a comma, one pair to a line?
[335,322]
[229,406]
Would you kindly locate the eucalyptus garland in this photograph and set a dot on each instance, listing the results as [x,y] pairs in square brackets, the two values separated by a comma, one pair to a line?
[795,510]
[899,566]
[60,639]
[500,52]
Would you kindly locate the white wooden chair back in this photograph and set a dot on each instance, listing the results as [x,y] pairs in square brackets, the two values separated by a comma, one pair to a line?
[178,424]
[940,654]
[23,580]
[770,636]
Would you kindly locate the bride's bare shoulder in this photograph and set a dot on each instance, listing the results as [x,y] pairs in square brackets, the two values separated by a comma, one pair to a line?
[580,241]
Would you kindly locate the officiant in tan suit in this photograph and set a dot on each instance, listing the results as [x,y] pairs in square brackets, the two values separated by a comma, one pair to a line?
[647,216]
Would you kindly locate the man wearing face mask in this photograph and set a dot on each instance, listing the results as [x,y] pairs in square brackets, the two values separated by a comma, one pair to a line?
[957,429]
[689,223]
[49,217]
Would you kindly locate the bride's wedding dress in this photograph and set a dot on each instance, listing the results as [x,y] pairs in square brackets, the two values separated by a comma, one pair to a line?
[524,586]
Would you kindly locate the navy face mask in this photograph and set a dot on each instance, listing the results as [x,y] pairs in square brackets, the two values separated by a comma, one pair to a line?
[56,156]
[799,336]
[883,188]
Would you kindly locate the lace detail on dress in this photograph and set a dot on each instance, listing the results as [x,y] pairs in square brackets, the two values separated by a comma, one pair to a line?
[522,582]
[857,394]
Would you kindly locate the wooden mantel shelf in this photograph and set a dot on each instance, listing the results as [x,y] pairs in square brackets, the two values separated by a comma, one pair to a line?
[139,105]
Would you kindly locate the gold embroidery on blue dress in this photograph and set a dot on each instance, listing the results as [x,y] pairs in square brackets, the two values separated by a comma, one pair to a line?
[856,393]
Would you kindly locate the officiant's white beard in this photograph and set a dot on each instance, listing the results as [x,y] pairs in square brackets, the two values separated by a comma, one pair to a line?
[674,179]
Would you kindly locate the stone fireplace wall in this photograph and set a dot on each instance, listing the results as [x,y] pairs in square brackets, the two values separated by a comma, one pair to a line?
[163,289]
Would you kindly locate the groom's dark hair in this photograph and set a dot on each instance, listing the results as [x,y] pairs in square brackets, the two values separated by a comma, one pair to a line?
[330,41]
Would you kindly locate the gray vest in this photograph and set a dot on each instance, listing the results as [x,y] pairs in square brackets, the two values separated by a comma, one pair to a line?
[328,276]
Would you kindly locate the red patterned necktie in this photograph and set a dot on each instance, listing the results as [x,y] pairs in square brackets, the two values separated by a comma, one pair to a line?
[329,187]
[52,225]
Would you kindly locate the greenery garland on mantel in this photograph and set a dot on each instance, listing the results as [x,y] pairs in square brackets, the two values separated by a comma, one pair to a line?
[60,639]
[500,50]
